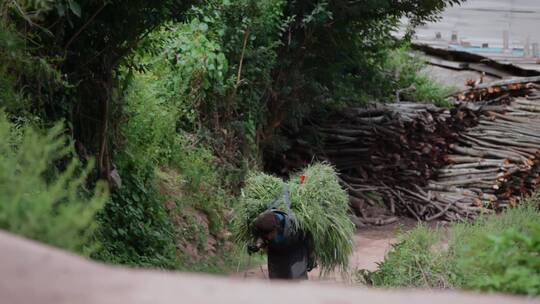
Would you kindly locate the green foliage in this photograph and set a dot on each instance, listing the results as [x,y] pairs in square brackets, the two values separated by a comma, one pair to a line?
[203,185]
[137,227]
[320,206]
[150,128]
[215,70]
[406,66]
[413,262]
[36,199]
[195,71]
[499,253]
[22,72]
[495,253]
[153,138]
[511,265]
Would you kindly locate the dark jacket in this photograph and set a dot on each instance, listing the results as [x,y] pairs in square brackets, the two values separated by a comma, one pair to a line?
[289,252]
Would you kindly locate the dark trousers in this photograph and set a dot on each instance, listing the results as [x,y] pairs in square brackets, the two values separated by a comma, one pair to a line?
[288,263]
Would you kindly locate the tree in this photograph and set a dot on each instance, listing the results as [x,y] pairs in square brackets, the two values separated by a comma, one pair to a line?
[83,42]
[332,53]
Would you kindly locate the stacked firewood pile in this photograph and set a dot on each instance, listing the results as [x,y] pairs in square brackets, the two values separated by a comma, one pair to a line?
[434,163]
[492,91]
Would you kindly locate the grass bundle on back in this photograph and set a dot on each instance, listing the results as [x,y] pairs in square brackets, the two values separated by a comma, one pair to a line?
[319,204]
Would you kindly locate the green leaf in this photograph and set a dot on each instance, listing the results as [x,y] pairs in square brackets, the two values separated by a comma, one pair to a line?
[61,10]
[75,8]
[203,27]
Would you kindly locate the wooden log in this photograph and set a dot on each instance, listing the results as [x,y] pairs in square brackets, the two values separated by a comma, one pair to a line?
[486,163]
[460,159]
[445,173]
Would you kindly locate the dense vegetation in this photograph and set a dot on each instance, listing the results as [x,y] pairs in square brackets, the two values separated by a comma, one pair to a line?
[173,101]
[44,202]
[498,253]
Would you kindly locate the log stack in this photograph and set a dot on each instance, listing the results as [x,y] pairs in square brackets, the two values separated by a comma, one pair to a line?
[435,163]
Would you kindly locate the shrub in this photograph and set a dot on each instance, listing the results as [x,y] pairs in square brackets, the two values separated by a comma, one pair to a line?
[405,67]
[137,226]
[203,183]
[42,201]
[412,262]
[498,253]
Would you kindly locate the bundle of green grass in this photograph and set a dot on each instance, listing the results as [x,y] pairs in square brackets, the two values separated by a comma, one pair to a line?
[319,204]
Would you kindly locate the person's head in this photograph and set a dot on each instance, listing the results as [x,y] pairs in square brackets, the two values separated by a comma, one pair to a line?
[266,225]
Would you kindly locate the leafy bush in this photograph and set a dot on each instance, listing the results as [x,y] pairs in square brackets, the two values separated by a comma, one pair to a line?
[135,228]
[405,68]
[510,264]
[39,201]
[495,253]
[203,184]
[154,139]
[499,253]
[413,262]
[194,72]
[138,224]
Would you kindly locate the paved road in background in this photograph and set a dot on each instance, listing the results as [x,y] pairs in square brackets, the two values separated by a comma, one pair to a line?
[479,22]
[483,21]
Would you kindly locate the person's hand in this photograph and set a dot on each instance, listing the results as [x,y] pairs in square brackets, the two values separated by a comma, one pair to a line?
[312,263]
[252,248]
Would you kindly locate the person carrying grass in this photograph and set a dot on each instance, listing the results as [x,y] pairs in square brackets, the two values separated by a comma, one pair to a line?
[308,222]
[290,251]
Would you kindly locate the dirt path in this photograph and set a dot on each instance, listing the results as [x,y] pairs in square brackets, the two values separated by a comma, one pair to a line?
[371,245]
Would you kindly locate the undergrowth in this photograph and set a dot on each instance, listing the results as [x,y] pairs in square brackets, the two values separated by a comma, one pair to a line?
[496,253]
[405,68]
[234,260]
[171,207]
[43,195]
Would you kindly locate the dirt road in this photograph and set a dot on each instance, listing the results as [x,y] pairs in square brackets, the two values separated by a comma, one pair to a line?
[371,245]
[34,273]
